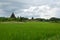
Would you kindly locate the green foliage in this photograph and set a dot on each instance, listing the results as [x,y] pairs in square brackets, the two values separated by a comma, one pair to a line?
[32,18]
[29,31]
[2,19]
[22,19]
[53,19]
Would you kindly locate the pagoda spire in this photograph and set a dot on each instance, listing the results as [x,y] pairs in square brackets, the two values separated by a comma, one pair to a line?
[12,15]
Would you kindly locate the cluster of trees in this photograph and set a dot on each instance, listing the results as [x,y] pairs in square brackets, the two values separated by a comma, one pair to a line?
[52,19]
[13,18]
[23,19]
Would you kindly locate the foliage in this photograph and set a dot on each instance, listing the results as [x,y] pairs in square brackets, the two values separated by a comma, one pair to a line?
[29,31]
[23,19]
[53,19]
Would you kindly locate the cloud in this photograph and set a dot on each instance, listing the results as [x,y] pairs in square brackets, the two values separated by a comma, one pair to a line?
[43,11]
[37,2]
[2,12]
[4,3]
[31,8]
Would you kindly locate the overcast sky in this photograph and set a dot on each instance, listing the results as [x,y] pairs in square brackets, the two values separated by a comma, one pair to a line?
[30,8]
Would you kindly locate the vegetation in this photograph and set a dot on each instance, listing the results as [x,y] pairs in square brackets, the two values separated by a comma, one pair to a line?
[23,19]
[29,31]
[21,28]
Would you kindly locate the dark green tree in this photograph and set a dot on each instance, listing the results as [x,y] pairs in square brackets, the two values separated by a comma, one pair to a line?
[21,18]
[54,19]
[32,18]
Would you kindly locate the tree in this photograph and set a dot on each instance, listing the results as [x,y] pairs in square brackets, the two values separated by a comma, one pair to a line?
[18,19]
[53,19]
[32,18]
[21,19]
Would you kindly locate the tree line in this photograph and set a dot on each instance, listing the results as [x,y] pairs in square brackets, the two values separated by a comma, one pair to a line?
[24,19]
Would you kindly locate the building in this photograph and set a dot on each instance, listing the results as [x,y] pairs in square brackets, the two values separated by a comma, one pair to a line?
[12,15]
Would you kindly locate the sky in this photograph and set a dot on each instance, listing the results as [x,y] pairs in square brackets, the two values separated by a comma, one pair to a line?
[30,8]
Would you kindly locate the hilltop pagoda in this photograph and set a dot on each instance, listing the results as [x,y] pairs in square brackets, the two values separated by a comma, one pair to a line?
[12,15]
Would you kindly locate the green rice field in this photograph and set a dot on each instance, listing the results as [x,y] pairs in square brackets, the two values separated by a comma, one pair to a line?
[30,31]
